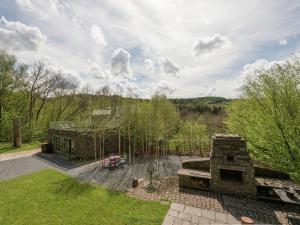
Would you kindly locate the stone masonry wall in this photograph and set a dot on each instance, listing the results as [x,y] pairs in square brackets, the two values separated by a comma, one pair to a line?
[229,152]
[83,144]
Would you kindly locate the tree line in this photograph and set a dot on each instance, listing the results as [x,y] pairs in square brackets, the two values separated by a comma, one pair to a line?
[211,105]
[37,96]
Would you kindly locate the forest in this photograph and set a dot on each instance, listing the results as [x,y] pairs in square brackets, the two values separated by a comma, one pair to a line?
[36,96]
[267,114]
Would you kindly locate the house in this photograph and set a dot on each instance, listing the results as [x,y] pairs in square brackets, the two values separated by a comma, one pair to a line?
[85,140]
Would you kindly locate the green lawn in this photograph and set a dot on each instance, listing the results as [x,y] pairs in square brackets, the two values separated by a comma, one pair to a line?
[7,147]
[50,197]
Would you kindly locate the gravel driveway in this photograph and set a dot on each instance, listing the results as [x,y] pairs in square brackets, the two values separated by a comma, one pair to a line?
[14,167]
[20,166]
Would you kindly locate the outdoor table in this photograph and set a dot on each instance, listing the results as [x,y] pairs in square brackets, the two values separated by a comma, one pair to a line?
[113,160]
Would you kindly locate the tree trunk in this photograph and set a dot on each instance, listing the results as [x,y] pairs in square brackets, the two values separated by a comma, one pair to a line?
[146,143]
[143,145]
[95,146]
[129,146]
[190,150]
[17,133]
[103,147]
[100,152]
[124,144]
[119,141]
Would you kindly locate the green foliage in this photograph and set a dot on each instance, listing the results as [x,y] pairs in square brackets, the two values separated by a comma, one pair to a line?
[10,74]
[202,100]
[191,138]
[148,125]
[268,116]
[50,197]
[200,105]
[7,147]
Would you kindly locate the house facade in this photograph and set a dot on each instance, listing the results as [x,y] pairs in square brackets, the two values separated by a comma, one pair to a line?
[81,145]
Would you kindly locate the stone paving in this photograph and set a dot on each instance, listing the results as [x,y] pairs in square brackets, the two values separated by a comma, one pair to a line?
[121,179]
[180,214]
[216,204]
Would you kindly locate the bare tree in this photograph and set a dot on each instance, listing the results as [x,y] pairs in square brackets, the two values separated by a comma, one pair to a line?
[64,97]
[40,83]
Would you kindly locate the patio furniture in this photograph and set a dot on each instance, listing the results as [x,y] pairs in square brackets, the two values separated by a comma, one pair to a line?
[122,162]
[113,161]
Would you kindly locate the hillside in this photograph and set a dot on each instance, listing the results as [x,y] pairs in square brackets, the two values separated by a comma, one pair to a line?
[209,110]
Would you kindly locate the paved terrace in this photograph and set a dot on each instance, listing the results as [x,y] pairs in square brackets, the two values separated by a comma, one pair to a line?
[210,207]
[180,214]
[191,205]
[121,179]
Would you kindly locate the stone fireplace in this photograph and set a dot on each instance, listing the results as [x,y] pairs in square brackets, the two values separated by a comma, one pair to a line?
[231,168]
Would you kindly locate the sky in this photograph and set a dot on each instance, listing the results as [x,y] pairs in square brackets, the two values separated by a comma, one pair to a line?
[183,48]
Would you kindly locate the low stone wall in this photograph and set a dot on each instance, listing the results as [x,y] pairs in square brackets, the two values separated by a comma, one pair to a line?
[261,171]
[197,164]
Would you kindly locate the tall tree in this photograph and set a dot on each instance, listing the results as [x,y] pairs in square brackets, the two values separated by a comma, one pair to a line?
[11,75]
[268,115]
[40,83]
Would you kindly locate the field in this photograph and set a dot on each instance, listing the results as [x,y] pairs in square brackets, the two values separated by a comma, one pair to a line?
[50,197]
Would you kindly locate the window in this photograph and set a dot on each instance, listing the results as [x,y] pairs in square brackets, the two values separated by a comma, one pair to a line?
[68,150]
[56,143]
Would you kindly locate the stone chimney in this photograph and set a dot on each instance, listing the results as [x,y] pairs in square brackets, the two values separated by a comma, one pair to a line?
[231,167]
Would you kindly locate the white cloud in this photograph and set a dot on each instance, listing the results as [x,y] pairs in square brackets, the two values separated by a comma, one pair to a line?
[42,10]
[165,88]
[18,36]
[120,63]
[97,35]
[71,78]
[211,91]
[129,88]
[251,69]
[168,67]
[25,4]
[95,70]
[282,42]
[149,65]
[147,30]
[210,44]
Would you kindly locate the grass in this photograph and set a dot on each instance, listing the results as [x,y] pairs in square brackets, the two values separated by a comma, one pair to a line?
[50,197]
[7,147]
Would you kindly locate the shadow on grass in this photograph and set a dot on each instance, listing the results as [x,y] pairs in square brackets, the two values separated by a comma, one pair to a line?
[114,193]
[70,186]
